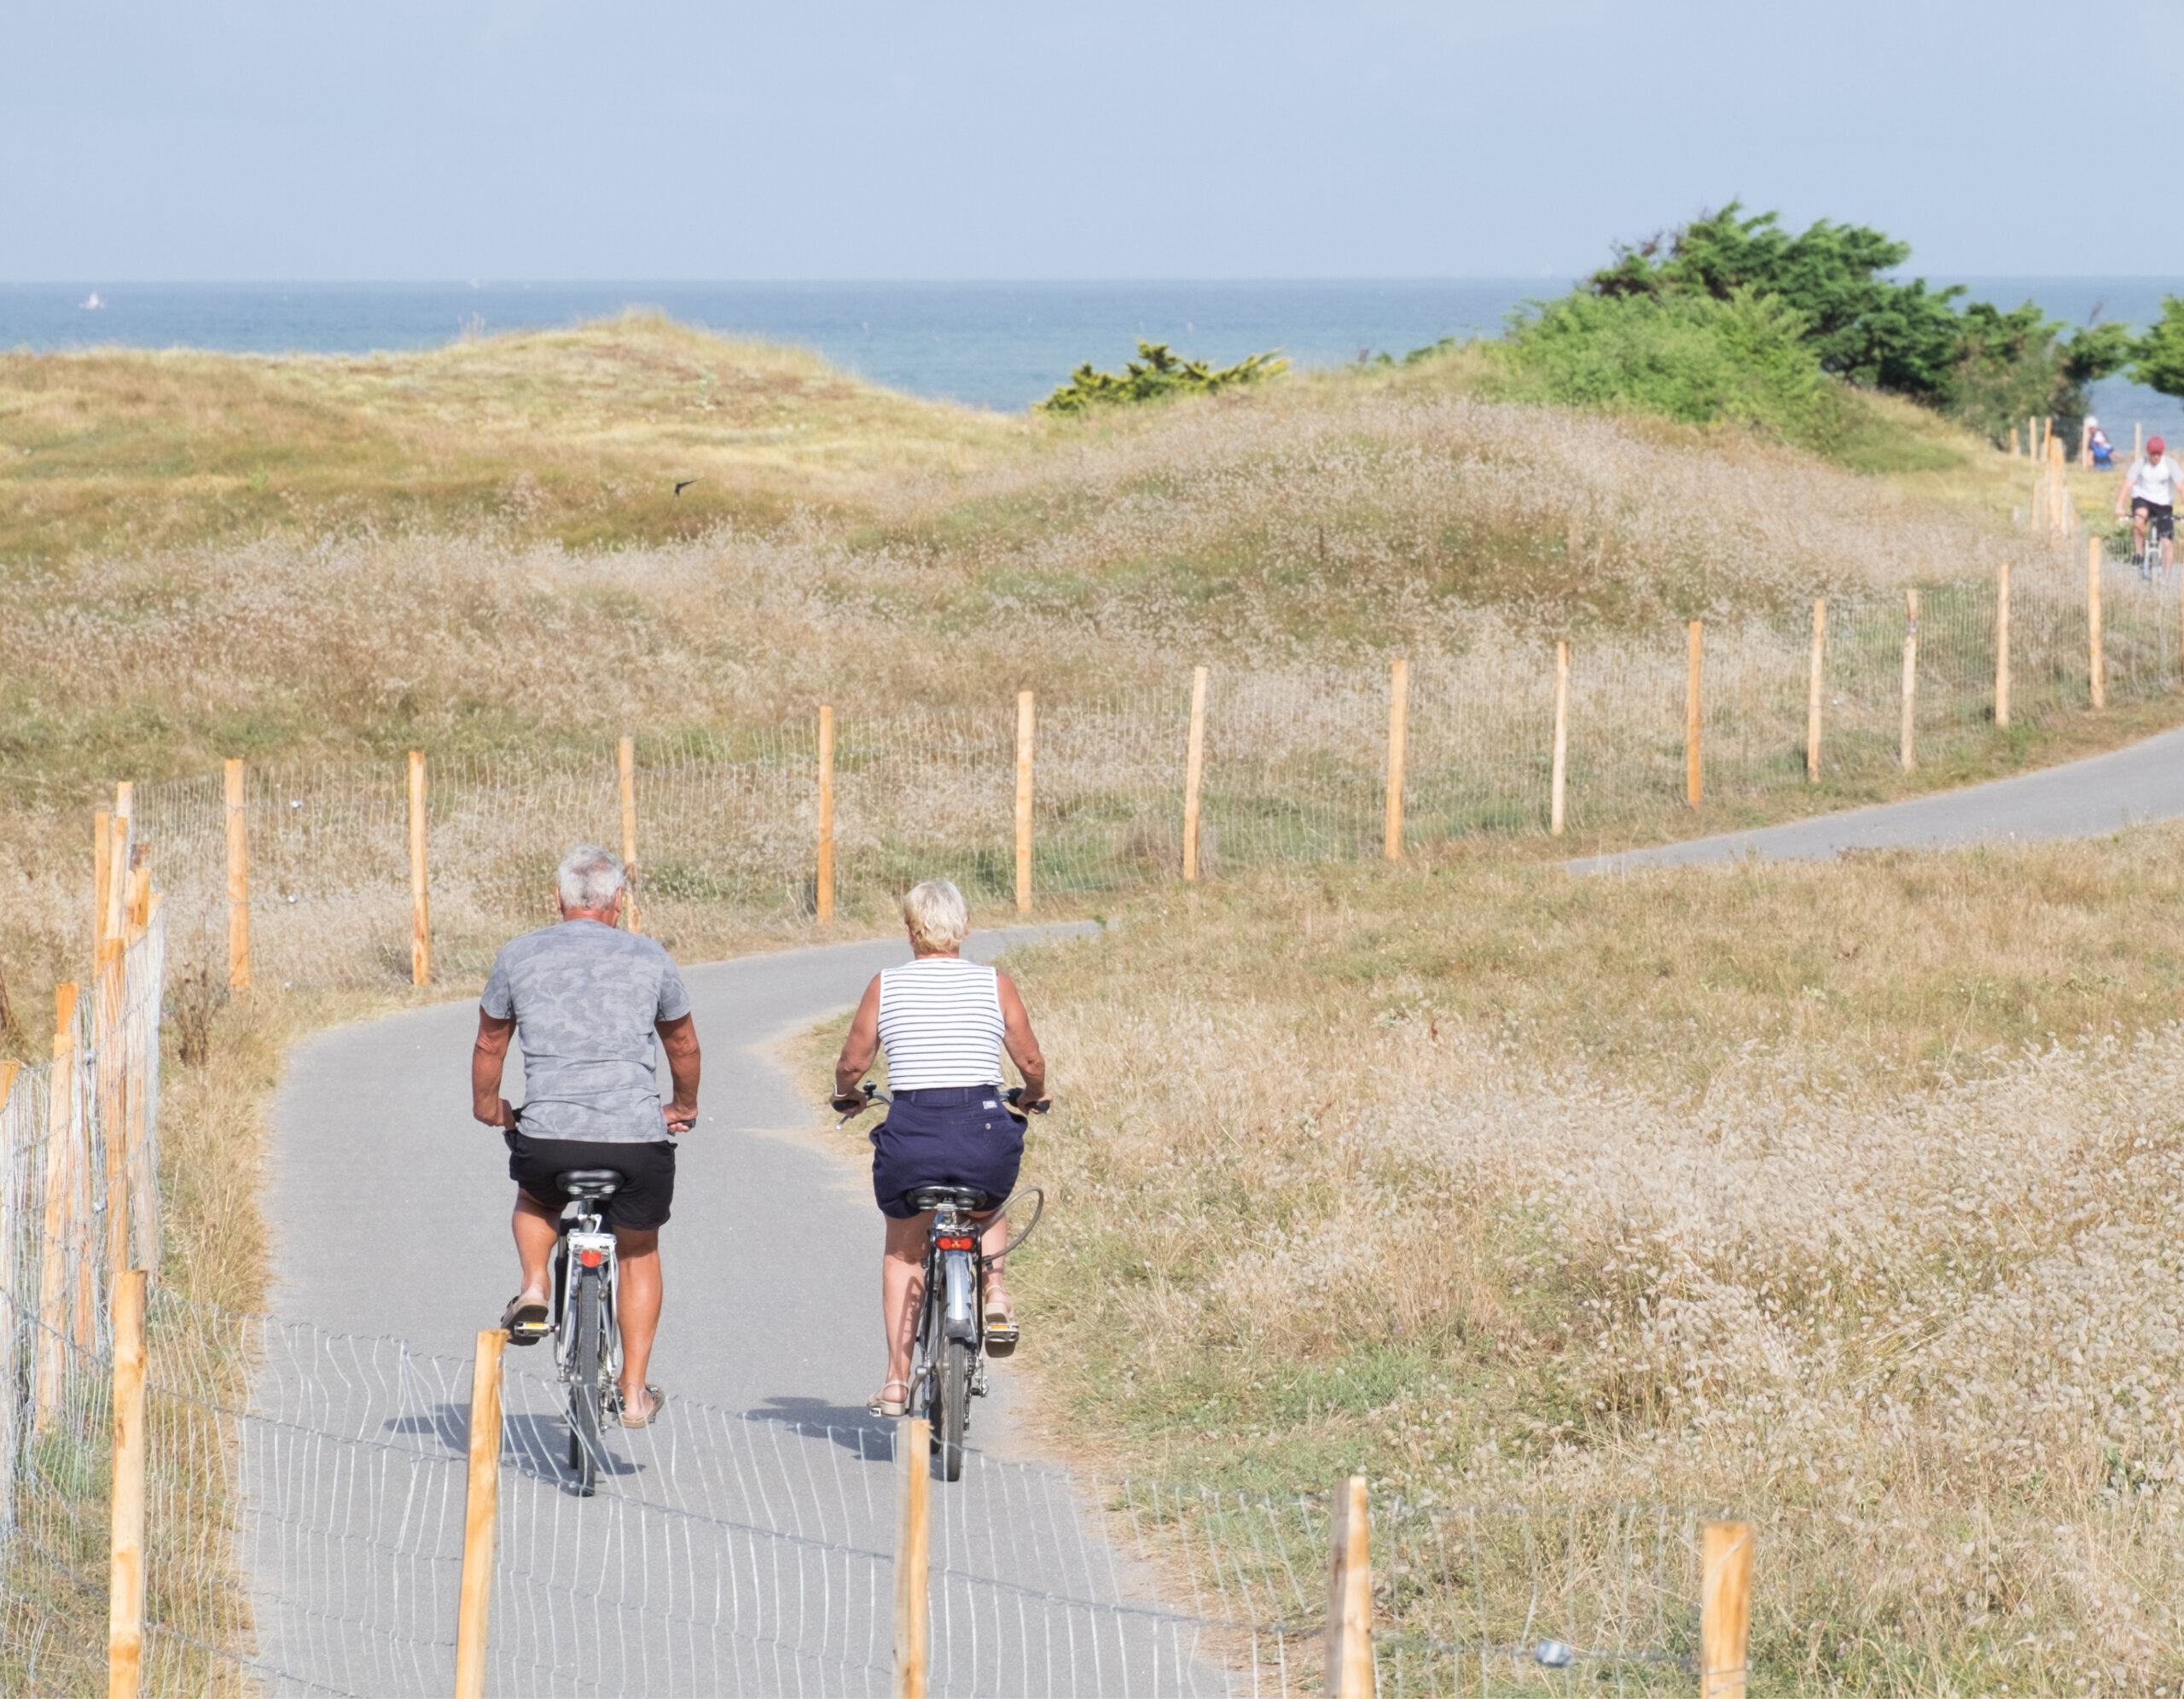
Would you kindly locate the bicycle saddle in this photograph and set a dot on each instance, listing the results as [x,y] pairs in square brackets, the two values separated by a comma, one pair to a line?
[923,1198]
[590,1182]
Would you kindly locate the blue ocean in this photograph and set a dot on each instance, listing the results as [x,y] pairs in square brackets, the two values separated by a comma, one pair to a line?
[993,345]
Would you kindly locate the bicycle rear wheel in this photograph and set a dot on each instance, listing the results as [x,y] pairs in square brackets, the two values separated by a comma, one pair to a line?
[951,1406]
[584,1384]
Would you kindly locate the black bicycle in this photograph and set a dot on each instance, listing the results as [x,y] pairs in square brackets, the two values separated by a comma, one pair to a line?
[587,1344]
[948,1352]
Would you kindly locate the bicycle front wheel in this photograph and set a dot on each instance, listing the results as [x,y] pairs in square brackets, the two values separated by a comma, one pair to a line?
[584,1378]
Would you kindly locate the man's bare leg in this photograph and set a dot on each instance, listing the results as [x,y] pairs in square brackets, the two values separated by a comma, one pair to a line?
[637,1300]
[536,1229]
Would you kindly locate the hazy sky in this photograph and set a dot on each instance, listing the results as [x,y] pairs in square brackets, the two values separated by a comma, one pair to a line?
[667,139]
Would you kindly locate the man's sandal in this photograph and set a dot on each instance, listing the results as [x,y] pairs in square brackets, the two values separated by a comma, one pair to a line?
[1001,1331]
[525,1320]
[880,1405]
[658,1401]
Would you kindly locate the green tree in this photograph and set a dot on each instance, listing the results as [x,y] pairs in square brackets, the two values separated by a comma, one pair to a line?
[2157,358]
[1864,327]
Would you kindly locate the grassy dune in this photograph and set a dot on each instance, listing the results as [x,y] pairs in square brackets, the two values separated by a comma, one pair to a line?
[1841,1194]
[578,436]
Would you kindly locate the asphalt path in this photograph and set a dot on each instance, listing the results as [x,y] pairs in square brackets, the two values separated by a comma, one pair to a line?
[2090,798]
[390,1209]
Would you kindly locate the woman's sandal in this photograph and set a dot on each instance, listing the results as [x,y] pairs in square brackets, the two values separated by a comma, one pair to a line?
[880,1405]
[658,1399]
[1001,1331]
[524,1320]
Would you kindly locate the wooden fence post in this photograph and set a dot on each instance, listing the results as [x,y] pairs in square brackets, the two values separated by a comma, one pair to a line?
[421,913]
[1693,784]
[2092,621]
[58,1262]
[913,1526]
[1724,1610]
[117,884]
[1813,688]
[1910,671]
[1194,771]
[625,769]
[1561,770]
[124,1629]
[1349,1595]
[101,876]
[2002,644]
[1398,729]
[238,882]
[479,1513]
[1024,725]
[823,884]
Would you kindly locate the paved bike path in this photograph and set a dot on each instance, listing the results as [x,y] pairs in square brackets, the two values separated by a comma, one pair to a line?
[390,1210]
[2088,798]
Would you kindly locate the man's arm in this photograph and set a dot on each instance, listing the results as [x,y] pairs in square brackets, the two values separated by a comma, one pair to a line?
[861,1049]
[679,1039]
[487,1058]
[1022,1043]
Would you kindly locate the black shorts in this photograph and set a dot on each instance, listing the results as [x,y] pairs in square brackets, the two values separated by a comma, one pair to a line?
[647,1172]
[2163,515]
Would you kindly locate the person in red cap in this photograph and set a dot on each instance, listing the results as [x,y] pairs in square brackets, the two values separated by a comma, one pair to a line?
[2149,487]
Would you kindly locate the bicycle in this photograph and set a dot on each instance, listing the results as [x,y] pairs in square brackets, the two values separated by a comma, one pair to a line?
[948,1352]
[587,1344]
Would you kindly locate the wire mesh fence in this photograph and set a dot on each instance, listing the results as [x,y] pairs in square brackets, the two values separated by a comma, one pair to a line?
[1296,765]
[307,1519]
[79,1202]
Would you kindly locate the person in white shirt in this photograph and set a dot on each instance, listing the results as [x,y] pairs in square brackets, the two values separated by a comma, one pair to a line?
[2150,487]
[944,1022]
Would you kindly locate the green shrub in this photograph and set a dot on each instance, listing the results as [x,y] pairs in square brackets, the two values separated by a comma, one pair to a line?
[1702,361]
[1157,375]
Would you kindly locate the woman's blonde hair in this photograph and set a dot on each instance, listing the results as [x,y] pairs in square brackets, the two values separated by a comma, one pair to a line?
[938,918]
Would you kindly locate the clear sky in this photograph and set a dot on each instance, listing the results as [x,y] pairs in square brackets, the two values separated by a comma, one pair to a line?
[718,139]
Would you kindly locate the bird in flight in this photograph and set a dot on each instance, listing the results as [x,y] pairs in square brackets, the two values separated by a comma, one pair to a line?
[684,485]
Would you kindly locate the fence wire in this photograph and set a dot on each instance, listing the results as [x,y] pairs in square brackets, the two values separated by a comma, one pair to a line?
[1296,768]
[307,1519]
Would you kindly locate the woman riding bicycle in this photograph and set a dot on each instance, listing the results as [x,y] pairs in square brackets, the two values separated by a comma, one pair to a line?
[944,1022]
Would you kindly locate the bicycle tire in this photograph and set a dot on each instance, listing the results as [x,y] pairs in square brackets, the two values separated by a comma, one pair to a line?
[584,1386]
[952,1397]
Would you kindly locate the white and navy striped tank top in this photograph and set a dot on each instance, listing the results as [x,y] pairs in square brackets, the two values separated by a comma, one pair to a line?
[940,1021]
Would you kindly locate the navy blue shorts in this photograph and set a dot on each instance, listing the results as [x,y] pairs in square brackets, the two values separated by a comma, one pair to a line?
[949,1136]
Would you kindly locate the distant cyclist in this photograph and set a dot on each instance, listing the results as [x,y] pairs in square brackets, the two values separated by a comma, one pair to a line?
[2149,487]
[944,1022]
[585,1000]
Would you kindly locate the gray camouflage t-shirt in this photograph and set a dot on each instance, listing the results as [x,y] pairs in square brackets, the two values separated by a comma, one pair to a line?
[585,998]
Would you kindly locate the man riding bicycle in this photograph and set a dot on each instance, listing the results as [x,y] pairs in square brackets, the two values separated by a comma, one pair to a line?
[586,1000]
[2149,487]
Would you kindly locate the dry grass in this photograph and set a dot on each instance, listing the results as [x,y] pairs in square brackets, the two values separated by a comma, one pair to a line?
[1841,1196]
[864,548]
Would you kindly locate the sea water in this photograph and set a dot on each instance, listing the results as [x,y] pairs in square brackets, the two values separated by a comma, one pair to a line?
[997,345]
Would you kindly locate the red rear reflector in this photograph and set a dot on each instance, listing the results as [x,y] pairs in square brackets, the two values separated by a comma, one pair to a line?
[591,1259]
[955,1244]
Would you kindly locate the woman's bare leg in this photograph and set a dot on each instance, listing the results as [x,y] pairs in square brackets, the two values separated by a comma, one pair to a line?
[902,1289]
[991,1245]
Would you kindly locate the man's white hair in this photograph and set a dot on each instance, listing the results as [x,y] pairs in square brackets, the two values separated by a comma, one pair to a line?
[588,878]
[937,918]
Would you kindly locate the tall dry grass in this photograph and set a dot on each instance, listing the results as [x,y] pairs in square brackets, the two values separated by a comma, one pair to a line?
[1845,1197]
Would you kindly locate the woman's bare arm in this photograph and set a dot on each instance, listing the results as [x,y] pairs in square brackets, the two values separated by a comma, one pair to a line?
[861,1049]
[1021,1041]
